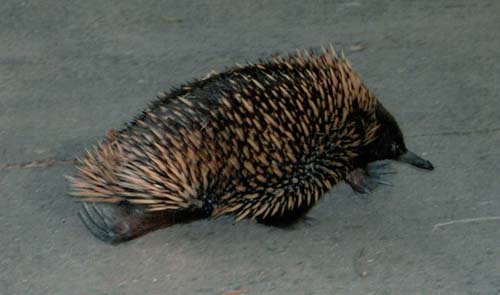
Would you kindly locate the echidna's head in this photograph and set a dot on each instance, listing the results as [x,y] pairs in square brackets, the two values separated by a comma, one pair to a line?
[390,143]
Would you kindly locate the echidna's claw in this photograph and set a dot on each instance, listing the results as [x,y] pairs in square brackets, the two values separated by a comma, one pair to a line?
[379,168]
[116,223]
[104,215]
[110,223]
[364,181]
[95,224]
[360,182]
[95,215]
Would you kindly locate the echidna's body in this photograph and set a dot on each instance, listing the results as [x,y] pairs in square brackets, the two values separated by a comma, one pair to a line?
[263,141]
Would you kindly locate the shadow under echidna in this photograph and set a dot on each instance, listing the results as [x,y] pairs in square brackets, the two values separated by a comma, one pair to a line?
[263,141]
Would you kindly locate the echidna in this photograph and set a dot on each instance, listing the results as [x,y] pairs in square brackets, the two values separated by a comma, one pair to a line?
[262,141]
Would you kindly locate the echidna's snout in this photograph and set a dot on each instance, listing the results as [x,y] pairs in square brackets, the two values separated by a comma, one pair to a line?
[411,158]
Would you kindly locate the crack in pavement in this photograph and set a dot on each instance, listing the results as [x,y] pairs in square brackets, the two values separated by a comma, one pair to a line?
[36,164]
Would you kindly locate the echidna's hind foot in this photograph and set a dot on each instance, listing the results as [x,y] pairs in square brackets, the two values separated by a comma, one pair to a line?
[365,180]
[115,223]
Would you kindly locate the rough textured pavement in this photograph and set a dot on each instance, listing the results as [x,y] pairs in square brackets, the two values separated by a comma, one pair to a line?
[70,70]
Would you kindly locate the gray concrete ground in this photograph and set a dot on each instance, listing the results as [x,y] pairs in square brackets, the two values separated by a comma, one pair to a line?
[70,70]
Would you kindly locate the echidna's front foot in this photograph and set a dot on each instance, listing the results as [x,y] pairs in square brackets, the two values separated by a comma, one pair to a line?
[365,180]
[113,223]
